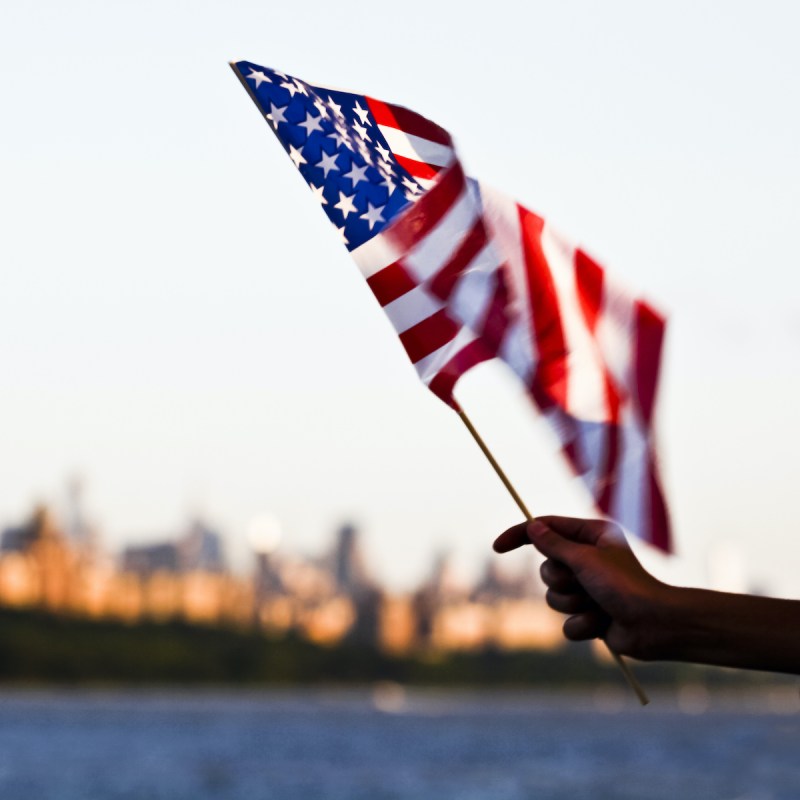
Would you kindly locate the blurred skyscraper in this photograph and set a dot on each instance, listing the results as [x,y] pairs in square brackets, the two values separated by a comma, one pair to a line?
[353,581]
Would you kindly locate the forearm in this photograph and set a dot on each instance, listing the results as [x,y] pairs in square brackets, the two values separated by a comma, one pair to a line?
[729,630]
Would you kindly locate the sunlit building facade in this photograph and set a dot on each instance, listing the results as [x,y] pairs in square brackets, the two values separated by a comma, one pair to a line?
[59,567]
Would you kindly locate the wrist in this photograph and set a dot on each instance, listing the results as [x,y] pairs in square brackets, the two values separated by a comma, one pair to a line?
[698,625]
[664,623]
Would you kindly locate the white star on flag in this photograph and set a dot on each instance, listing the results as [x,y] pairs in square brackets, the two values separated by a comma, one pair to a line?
[362,131]
[327,163]
[385,154]
[276,115]
[373,214]
[311,124]
[365,154]
[317,192]
[335,107]
[343,132]
[259,77]
[362,113]
[345,204]
[290,86]
[338,138]
[357,174]
[296,156]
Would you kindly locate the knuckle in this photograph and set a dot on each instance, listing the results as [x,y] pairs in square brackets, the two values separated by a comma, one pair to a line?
[565,602]
[573,629]
[547,572]
[580,627]
[551,599]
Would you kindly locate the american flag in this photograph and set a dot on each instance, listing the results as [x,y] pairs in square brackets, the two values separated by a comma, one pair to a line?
[466,274]
[368,163]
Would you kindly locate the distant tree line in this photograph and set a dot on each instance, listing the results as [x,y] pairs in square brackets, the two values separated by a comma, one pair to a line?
[37,648]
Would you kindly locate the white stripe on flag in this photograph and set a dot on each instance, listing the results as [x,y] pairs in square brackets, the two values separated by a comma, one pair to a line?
[501,215]
[593,448]
[586,388]
[410,146]
[374,255]
[475,289]
[411,308]
[616,332]
[517,352]
[427,257]
[629,502]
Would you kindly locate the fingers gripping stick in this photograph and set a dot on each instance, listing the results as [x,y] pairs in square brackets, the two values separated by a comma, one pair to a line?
[626,670]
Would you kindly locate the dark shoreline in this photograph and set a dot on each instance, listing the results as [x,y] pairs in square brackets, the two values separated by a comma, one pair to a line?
[40,649]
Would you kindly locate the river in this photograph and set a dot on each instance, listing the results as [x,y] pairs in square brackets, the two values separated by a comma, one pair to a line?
[386,743]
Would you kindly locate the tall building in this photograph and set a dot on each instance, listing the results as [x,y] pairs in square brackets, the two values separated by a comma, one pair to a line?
[201,549]
[198,550]
[352,580]
[40,570]
[440,589]
[348,561]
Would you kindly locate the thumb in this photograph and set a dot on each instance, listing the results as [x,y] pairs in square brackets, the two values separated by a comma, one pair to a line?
[552,545]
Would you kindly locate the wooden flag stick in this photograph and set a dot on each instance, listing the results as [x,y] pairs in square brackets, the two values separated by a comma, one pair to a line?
[626,670]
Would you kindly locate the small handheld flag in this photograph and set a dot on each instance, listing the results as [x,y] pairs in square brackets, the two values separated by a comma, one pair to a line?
[466,274]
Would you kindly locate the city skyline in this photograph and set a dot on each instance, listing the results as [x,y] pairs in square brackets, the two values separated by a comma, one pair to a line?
[57,564]
[263,535]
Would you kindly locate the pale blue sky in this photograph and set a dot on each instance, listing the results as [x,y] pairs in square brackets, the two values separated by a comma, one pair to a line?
[180,325]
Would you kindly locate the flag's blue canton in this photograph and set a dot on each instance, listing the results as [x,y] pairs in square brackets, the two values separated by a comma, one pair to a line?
[334,141]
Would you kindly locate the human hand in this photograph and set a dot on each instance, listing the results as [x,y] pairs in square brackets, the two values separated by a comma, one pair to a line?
[593,576]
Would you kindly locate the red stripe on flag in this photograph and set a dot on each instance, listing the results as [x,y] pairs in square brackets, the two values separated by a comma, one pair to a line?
[390,283]
[464,360]
[428,336]
[659,533]
[495,321]
[649,328]
[407,121]
[550,380]
[570,449]
[419,220]
[419,169]
[568,431]
[589,280]
[608,468]
[613,398]
[444,281]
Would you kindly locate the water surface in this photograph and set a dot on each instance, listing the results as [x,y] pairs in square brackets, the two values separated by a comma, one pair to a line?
[384,743]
